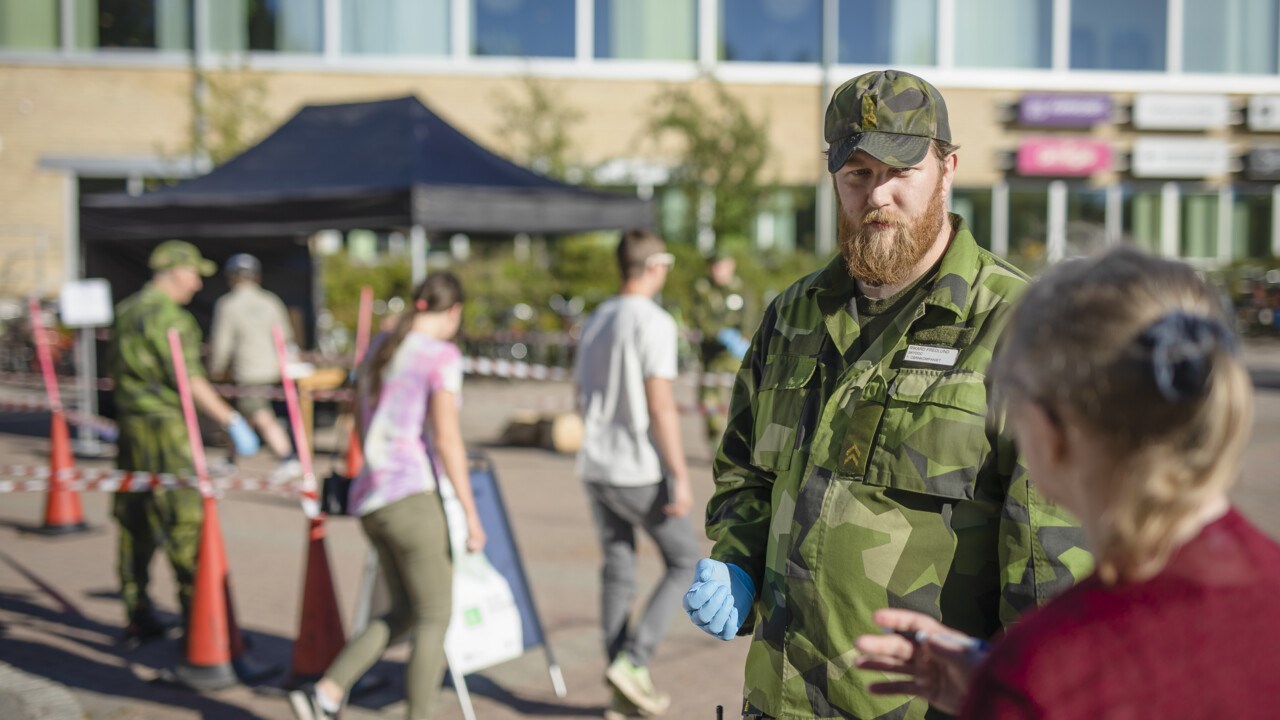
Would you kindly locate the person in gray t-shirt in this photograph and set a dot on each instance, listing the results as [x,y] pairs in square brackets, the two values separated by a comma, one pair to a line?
[632,463]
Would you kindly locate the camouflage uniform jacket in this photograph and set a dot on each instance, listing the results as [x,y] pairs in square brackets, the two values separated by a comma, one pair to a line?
[139,360]
[846,484]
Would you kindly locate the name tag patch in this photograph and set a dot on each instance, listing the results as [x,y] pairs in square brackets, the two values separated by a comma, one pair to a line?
[946,357]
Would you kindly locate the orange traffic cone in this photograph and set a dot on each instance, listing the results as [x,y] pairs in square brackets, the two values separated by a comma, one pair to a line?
[355,456]
[320,634]
[207,665]
[62,513]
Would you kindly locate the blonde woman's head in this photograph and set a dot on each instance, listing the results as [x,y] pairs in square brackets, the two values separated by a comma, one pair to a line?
[1123,367]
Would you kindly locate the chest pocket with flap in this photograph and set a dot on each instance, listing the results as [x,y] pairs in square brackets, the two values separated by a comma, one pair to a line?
[779,405]
[933,438]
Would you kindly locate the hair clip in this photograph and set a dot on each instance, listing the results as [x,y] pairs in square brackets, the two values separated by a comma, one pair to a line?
[421,305]
[1181,346]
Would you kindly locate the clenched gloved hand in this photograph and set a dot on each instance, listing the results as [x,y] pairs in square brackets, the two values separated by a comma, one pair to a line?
[733,341]
[720,598]
[243,437]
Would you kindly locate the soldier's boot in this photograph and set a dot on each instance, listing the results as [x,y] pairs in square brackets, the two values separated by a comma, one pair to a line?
[144,627]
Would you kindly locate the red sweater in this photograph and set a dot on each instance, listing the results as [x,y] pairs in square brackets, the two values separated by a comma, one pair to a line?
[1199,640]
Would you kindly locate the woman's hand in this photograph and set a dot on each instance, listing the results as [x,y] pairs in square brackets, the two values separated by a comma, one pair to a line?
[936,659]
[475,533]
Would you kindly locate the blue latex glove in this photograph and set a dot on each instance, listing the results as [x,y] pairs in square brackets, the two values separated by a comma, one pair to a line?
[733,341]
[720,598]
[243,437]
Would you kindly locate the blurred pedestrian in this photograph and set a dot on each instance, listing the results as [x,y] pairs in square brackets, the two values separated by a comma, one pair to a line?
[858,469]
[244,353]
[153,435]
[1123,381]
[412,380]
[632,463]
[719,314]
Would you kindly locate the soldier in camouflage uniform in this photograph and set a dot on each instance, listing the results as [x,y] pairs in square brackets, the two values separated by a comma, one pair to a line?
[153,436]
[859,469]
[719,313]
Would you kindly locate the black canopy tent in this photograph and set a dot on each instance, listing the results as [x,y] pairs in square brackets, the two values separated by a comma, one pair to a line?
[378,165]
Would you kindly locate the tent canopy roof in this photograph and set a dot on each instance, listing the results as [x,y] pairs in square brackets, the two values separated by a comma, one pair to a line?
[379,164]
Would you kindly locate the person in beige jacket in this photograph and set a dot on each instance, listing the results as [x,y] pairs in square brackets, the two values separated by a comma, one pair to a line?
[244,351]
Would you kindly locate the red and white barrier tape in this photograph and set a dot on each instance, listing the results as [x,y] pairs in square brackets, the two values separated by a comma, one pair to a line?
[35,478]
[34,404]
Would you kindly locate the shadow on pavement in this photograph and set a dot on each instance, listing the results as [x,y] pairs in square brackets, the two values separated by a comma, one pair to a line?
[78,671]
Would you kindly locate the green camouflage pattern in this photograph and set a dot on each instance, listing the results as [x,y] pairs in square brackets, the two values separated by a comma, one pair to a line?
[846,483]
[713,311]
[178,253]
[890,114]
[169,519]
[153,438]
[139,360]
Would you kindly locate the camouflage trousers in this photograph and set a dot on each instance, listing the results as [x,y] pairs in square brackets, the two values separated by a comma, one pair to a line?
[161,519]
[713,395]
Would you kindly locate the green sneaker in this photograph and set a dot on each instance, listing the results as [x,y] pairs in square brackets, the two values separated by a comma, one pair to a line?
[634,684]
[620,708]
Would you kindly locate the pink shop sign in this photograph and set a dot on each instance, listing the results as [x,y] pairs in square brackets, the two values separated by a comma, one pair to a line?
[1063,157]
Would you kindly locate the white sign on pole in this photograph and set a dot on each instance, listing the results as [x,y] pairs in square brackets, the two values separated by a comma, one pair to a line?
[1264,112]
[1181,112]
[1180,158]
[86,303]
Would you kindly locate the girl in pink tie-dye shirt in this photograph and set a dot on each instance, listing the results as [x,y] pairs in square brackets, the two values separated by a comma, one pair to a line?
[412,439]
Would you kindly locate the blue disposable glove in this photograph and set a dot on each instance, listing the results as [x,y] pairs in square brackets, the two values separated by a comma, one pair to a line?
[243,437]
[720,598]
[733,341]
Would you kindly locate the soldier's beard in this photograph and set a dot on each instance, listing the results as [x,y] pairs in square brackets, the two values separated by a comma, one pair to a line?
[886,256]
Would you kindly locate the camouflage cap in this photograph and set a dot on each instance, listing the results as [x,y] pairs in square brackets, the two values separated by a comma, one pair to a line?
[177,253]
[888,114]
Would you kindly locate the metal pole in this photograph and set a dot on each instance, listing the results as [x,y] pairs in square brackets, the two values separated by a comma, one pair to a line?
[418,253]
[825,205]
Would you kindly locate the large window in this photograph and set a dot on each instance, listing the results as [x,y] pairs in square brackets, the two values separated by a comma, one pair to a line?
[1141,224]
[395,27]
[149,24]
[1004,33]
[1251,225]
[1029,227]
[974,205]
[1086,221]
[888,32]
[646,29]
[1199,225]
[771,30]
[287,26]
[1110,35]
[1229,36]
[523,28]
[28,25]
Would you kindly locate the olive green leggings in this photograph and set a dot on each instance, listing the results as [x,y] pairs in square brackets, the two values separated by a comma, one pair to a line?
[412,542]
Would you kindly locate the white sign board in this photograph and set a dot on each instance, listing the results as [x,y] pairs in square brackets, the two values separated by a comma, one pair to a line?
[1180,158]
[1181,112]
[1264,112]
[86,303]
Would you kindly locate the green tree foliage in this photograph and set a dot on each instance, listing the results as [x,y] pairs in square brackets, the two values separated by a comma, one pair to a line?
[723,150]
[344,278]
[233,113]
[537,128]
